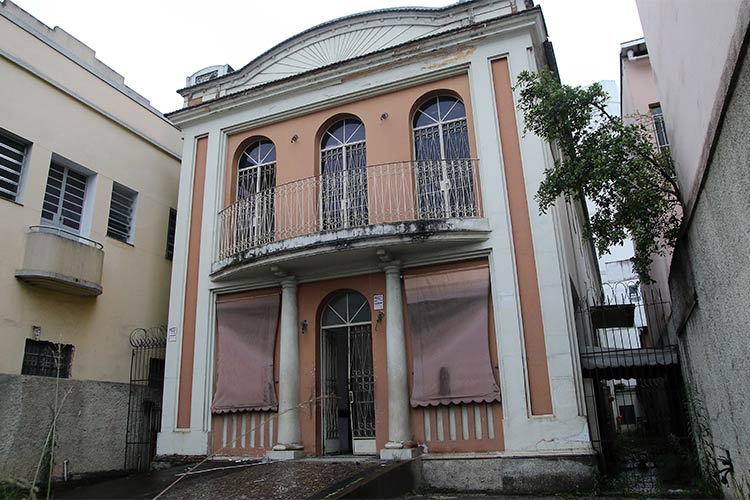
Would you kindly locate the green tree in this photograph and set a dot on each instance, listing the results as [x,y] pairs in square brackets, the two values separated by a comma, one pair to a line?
[613,163]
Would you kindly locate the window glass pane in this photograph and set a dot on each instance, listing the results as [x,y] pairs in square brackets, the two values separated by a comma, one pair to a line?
[64,197]
[11,163]
[427,114]
[359,310]
[121,212]
[267,152]
[452,110]
[259,152]
[332,317]
[355,131]
[171,228]
[334,136]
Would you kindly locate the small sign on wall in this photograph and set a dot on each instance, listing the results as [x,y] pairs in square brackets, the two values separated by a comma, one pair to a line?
[377,302]
[172,334]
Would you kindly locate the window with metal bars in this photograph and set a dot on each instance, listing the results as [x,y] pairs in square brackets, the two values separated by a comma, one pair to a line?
[171,228]
[121,213]
[445,183]
[64,197]
[47,359]
[12,155]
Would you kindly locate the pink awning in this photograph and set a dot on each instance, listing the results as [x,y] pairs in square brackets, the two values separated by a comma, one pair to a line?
[246,336]
[448,323]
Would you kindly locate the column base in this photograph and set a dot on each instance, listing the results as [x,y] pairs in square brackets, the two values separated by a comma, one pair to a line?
[281,455]
[399,453]
[284,447]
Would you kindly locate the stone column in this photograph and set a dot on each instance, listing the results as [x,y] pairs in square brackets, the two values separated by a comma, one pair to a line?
[289,443]
[400,444]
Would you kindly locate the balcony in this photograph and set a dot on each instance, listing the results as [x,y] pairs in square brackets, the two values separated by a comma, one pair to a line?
[63,261]
[387,204]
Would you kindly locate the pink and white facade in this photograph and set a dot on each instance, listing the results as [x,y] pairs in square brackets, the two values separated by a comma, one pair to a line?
[360,265]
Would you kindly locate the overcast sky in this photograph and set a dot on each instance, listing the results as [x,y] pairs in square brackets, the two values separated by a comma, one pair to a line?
[155,44]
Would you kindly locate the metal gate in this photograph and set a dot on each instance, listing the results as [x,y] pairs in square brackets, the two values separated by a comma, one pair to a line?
[634,391]
[145,398]
[347,376]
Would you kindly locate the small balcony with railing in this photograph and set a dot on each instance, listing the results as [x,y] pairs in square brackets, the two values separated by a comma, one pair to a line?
[63,261]
[379,205]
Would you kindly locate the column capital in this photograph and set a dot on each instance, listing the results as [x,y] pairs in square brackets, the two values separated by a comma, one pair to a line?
[288,282]
[392,267]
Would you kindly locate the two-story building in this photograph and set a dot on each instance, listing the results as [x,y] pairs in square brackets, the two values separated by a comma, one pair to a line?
[360,266]
[88,187]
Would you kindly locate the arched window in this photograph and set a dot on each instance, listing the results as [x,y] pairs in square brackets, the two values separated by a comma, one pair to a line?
[343,162]
[445,180]
[256,169]
[256,179]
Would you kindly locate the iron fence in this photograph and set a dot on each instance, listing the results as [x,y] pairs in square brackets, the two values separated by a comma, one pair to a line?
[634,390]
[145,396]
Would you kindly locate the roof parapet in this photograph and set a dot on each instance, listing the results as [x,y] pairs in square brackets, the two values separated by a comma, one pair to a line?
[70,47]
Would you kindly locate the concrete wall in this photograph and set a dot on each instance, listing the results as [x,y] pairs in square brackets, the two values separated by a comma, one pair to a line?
[519,475]
[693,47]
[710,263]
[699,56]
[90,431]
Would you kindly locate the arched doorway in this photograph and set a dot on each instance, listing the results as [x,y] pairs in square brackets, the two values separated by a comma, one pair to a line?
[347,382]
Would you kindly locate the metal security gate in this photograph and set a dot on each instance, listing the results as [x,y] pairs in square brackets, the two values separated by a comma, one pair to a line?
[145,399]
[634,392]
[347,377]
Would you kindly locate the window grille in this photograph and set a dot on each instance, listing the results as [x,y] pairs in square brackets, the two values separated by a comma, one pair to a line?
[441,139]
[171,228]
[343,163]
[12,155]
[256,179]
[121,212]
[660,129]
[63,199]
[47,359]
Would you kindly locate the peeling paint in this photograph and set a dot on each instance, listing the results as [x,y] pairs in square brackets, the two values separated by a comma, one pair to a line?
[345,239]
[453,58]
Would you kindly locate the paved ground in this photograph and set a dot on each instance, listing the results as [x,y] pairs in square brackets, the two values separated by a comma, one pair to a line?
[221,479]
[278,480]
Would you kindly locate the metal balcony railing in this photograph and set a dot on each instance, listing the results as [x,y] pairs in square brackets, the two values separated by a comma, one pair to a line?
[385,193]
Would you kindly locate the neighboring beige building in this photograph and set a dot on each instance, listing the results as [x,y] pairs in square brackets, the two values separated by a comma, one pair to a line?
[641,103]
[361,266]
[699,55]
[88,177]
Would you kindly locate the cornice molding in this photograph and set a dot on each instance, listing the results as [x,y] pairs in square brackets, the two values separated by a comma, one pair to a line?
[390,57]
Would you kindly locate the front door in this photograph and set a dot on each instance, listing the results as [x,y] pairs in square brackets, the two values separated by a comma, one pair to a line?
[347,382]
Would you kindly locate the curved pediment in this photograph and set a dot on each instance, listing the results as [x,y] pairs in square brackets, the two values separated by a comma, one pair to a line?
[357,35]
[318,48]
